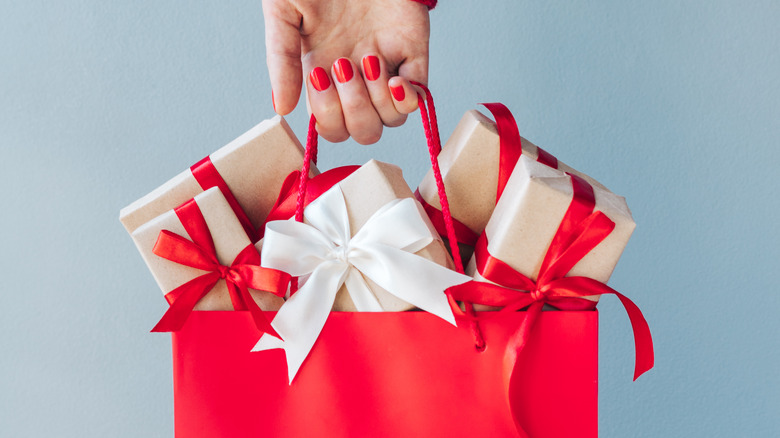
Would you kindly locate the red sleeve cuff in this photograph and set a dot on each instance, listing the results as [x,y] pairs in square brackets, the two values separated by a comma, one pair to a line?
[430,3]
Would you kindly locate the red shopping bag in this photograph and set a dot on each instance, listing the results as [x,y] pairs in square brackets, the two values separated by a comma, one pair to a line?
[394,374]
[398,374]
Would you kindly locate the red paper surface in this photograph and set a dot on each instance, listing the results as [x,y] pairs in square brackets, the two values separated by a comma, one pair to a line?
[386,375]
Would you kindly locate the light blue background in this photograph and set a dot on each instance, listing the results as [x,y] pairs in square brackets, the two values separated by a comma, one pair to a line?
[674,105]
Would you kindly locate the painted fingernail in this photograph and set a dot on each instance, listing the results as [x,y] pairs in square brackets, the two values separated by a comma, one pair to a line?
[343,70]
[319,79]
[273,100]
[398,92]
[371,67]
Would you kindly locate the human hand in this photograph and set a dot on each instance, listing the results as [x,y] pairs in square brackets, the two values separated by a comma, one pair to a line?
[327,40]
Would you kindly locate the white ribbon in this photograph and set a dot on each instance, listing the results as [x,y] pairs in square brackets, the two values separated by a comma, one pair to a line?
[382,250]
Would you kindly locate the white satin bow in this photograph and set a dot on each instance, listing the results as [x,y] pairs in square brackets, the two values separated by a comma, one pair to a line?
[382,250]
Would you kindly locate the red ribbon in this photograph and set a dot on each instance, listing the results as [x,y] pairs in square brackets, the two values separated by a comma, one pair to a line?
[285,205]
[581,230]
[245,272]
[207,176]
[510,149]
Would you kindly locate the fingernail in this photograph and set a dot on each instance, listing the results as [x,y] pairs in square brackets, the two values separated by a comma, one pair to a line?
[273,100]
[371,67]
[343,70]
[319,79]
[398,92]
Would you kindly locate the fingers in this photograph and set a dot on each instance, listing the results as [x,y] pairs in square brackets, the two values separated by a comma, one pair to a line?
[343,94]
[360,117]
[376,78]
[404,94]
[348,104]
[324,103]
[283,54]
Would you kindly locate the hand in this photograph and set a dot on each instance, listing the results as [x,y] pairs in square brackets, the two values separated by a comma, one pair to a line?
[358,57]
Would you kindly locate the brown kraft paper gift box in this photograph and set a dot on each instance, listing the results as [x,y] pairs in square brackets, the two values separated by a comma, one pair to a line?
[254,167]
[365,191]
[229,240]
[528,214]
[469,164]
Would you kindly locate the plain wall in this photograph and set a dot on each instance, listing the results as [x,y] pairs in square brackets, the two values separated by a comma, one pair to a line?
[674,105]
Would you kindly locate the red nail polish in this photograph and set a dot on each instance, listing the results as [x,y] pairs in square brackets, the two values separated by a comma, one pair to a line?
[273,101]
[319,79]
[371,67]
[343,70]
[398,92]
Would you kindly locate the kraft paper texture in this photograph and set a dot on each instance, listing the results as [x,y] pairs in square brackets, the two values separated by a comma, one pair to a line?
[469,163]
[254,167]
[229,239]
[529,213]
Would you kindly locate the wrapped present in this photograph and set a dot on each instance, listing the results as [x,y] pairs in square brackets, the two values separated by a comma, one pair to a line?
[249,171]
[365,245]
[536,200]
[366,189]
[202,259]
[475,163]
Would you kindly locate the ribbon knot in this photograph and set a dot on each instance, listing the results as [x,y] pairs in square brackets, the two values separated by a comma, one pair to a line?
[245,272]
[224,271]
[341,253]
[537,295]
[383,250]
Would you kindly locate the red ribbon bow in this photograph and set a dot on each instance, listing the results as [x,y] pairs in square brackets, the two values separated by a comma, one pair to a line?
[245,272]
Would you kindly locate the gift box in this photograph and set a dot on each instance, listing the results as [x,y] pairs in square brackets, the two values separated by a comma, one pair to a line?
[390,374]
[204,240]
[529,214]
[365,245]
[365,191]
[470,165]
[249,171]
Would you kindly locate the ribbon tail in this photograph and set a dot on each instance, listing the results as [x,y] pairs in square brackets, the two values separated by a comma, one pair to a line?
[261,322]
[302,317]
[237,298]
[514,348]
[416,280]
[186,297]
[268,342]
[362,296]
[643,340]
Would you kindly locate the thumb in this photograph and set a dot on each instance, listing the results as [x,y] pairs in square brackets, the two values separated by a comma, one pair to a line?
[283,54]
[415,69]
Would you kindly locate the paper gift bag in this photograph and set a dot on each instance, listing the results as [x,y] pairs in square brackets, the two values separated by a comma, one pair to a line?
[388,375]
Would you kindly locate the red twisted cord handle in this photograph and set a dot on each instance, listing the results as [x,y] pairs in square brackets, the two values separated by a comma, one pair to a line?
[431,127]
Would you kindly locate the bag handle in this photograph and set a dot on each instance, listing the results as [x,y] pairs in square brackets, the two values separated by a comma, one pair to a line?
[431,128]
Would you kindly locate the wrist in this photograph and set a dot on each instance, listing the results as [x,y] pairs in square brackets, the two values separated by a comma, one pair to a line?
[430,3]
